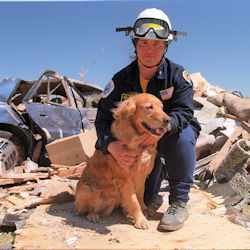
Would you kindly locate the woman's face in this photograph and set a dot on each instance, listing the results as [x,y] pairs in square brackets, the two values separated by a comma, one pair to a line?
[150,51]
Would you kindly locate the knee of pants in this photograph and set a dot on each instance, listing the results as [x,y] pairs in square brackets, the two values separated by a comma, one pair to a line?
[178,152]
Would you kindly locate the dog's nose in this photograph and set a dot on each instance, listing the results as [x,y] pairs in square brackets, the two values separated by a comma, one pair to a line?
[166,120]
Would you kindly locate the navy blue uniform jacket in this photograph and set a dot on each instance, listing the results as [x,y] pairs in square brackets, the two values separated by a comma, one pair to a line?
[171,84]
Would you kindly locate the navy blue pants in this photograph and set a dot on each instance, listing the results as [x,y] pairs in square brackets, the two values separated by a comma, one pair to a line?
[178,152]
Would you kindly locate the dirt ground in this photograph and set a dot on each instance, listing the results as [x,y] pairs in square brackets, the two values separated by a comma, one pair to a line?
[57,226]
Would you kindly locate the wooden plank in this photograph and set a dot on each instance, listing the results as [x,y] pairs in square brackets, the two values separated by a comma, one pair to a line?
[73,176]
[21,188]
[56,166]
[24,176]
[19,178]
[246,126]
[205,160]
[202,165]
[214,164]
[233,117]
[14,200]
[77,171]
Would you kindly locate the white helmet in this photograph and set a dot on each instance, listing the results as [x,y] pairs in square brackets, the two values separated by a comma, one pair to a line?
[152,24]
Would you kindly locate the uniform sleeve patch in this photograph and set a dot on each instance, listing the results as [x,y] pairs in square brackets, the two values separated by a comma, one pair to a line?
[186,77]
[108,89]
[167,93]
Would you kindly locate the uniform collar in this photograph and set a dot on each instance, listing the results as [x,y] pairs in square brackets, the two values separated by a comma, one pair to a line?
[133,76]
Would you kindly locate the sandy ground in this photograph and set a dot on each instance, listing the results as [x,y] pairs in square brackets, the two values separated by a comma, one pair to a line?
[58,226]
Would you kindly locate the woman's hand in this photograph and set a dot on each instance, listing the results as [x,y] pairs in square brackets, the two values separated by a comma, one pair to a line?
[124,157]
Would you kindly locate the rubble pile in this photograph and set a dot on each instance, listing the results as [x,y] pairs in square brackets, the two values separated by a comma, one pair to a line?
[222,149]
[222,161]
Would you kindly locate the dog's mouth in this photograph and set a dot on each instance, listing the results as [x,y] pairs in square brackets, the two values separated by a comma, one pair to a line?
[154,131]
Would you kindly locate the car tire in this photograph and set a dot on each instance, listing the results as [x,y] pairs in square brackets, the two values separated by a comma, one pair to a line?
[12,151]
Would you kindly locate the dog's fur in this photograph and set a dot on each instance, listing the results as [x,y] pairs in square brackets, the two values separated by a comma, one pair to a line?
[104,184]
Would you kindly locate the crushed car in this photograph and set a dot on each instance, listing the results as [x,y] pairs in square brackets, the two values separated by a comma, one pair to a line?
[35,113]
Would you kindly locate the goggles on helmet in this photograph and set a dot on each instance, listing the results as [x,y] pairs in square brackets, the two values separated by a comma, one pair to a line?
[143,26]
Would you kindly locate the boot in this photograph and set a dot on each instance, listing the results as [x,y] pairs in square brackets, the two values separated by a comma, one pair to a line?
[174,217]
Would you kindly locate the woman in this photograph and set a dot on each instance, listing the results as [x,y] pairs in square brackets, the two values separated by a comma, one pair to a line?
[151,72]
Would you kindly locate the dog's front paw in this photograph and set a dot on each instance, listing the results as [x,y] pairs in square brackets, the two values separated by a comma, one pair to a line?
[141,223]
[93,217]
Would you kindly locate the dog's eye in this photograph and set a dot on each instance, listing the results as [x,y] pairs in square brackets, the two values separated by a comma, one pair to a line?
[150,106]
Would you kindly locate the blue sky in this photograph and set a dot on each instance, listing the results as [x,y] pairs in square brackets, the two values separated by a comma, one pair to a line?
[66,36]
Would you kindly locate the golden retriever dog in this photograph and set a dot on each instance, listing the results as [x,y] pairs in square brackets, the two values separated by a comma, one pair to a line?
[104,184]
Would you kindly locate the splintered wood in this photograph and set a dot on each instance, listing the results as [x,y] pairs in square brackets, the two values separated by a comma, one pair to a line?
[214,164]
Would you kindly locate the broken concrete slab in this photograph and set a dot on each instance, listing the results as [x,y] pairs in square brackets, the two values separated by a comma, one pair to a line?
[58,186]
[219,142]
[52,191]
[238,106]
[204,144]
[239,152]
[229,127]
[14,220]
[207,113]
[243,220]
[211,126]
[216,99]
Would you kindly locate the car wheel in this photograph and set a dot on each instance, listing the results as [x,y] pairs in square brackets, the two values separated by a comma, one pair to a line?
[12,151]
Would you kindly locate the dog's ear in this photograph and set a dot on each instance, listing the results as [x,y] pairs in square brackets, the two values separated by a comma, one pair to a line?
[125,109]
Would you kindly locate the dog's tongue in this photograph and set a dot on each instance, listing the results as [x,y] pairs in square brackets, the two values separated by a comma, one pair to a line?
[161,131]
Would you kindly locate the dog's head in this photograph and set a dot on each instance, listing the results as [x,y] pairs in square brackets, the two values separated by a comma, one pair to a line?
[145,112]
